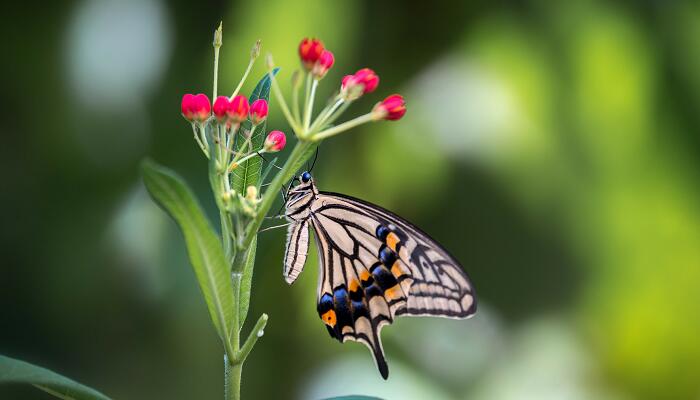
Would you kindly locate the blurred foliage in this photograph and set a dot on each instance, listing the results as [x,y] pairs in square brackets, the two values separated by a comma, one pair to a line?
[562,172]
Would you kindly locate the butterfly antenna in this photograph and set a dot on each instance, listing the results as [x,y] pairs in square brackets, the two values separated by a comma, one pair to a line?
[265,159]
[314,161]
[269,228]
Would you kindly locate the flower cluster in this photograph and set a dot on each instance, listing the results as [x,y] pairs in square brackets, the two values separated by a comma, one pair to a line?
[220,131]
[227,112]
[316,61]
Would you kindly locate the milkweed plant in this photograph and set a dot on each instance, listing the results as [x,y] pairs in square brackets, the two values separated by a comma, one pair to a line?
[232,135]
[245,180]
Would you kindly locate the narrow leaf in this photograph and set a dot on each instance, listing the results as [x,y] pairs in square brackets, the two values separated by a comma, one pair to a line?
[203,245]
[17,371]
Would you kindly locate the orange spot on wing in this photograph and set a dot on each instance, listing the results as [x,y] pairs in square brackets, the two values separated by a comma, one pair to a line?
[329,318]
[397,269]
[392,240]
[364,275]
[393,292]
[353,285]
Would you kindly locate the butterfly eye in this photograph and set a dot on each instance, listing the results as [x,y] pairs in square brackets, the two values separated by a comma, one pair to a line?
[305,177]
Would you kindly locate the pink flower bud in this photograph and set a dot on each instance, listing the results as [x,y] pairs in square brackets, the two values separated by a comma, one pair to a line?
[238,109]
[258,111]
[368,78]
[185,106]
[221,107]
[324,63]
[275,141]
[309,51]
[362,82]
[391,108]
[345,81]
[195,107]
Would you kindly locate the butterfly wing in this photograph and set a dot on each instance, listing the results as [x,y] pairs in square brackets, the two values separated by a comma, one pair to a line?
[296,250]
[376,266]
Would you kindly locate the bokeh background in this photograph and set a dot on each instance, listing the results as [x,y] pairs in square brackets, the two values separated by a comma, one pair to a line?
[551,146]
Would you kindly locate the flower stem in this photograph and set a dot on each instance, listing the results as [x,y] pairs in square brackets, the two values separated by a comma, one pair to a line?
[342,127]
[245,76]
[325,114]
[199,141]
[217,45]
[283,104]
[310,105]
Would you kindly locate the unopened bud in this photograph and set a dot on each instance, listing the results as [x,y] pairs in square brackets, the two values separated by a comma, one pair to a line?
[255,51]
[275,141]
[219,36]
[251,193]
[392,108]
[258,111]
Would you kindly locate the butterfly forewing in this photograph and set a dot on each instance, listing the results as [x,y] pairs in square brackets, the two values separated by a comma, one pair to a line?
[374,266]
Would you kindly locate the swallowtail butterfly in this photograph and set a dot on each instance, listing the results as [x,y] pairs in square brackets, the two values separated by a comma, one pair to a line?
[373,266]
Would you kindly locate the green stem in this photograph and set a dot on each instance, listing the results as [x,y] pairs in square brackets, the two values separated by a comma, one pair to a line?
[232,379]
[333,116]
[245,76]
[283,104]
[253,336]
[343,127]
[303,150]
[320,122]
[310,105]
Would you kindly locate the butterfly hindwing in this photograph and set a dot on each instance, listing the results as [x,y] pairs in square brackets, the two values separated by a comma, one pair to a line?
[376,266]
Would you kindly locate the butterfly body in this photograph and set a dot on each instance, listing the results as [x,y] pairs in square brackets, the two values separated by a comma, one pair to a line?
[373,266]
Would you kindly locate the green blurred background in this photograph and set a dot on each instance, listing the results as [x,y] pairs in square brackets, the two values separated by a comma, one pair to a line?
[551,146]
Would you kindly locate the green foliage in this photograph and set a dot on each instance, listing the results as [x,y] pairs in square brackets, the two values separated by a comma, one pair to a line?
[203,245]
[16,371]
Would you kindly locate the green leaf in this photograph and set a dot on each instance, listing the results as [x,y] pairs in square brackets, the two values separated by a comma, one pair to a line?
[203,244]
[246,283]
[16,371]
[248,173]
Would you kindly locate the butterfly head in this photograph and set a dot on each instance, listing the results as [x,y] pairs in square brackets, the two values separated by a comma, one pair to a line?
[301,195]
[305,177]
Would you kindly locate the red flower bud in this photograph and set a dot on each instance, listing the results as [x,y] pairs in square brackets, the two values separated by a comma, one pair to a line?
[238,109]
[362,82]
[195,107]
[258,111]
[368,78]
[275,141]
[391,108]
[309,51]
[345,81]
[324,63]
[221,106]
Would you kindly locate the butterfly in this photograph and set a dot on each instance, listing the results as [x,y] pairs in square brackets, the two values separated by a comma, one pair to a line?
[373,266]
